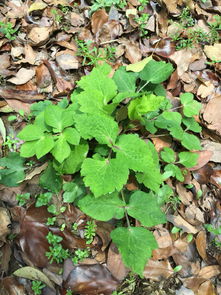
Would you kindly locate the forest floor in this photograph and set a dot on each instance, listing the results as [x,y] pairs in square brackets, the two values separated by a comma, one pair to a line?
[46,46]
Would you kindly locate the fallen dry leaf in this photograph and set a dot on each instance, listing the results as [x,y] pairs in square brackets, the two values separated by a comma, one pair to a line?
[206,89]
[98,19]
[204,157]
[39,35]
[206,288]
[214,148]
[67,60]
[157,270]
[178,221]
[213,51]
[201,244]
[23,76]
[5,224]
[211,114]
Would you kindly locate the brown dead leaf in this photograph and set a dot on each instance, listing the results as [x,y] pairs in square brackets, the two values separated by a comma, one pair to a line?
[206,288]
[5,224]
[76,19]
[67,60]
[36,171]
[39,35]
[185,196]
[214,148]
[203,174]
[91,280]
[211,114]
[23,76]
[171,6]
[5,256]
[132,51]
[115,263]
[103,231]
[157,270]
[204,157]
[206,89]
[98,19]
[43,77]
[213,52]
[5,62]
[178,221]
[30,54]
[207,272]
[11,286]
[201,244]
[26,96]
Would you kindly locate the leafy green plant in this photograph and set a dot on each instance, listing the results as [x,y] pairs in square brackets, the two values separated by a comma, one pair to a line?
[7,30]
[11,142]
[80,255]
[90,231]
[37,287]
[69,292]
[56,252]
[92,55]
[97,4]
[142,22]
[57,16]
[142,4]
[88,138]
[23,198]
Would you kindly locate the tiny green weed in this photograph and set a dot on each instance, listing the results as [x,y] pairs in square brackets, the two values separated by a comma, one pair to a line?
[11,142]
[57,253]
[37,287]
[90,231]
[7,30]
[80,255]
[97,4]
[142,22]
[142,4]
[23,198]
[69,292]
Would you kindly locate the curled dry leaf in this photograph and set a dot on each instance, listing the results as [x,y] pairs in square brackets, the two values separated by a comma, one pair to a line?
[211,114]
[22,76]
[91,280]
[206,89]
[157,270]
[178,221]
[39,35]
[209,271]
[201,244]
[203,174]
[11,286]
[67,60]
[115,263]
[99,18]
[213,52]
[5,223]
[206,288]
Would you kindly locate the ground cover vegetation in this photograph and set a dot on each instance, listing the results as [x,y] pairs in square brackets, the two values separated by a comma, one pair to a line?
[110,129]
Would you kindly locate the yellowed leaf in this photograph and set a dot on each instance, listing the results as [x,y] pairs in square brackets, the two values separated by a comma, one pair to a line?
[37,5]
[213,52]
[138,66]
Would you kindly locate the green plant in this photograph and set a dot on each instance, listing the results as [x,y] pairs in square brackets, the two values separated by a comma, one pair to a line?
[142,22]
[68,292]
[89,139]
[80,255]
[23,198]
[57,253]
[7,30]
[11,142]
[57,16]
[92,55]
[43,199]
[37,287]
[186,18]
[142,4]
[90,231]
[97,4]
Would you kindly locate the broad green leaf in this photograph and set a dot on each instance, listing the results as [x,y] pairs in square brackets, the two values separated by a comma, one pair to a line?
[99,80]
[191,142]
[134,152]
[30,132]
[191,107]
[103,128]
[103,208]
[61,149]
[50,180]
[145,208]
[188,159]
[174,171]
[168,155]
[38,107]
[168,119]
[123,95]
[138,66]
[58,118]
[191,124]
[151,178]
[177,132]
[125,81]
[142,105]
[44,145]
[104,176]
[73,163]
[72,191]
[156,72]
[28,150]
[135,245]
[71,135]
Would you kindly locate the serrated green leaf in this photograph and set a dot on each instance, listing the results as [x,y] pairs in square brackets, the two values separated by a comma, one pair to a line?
[13,173]
[142,105]
[168,119]
[188,159]
[44,145]
[168,155]
[104,176]
[98,79]
[135,245]
[191,124]
[50,180]
[61,149]
[103,128]
[30,132]
[156,72]
[134,152]
[28,150]
[103,208]
[177,132]
[190,142]
[125,81]
[145,208]
[73,163]
[191,107]
[174,171]
[151,178]
[71,135]
[72,191]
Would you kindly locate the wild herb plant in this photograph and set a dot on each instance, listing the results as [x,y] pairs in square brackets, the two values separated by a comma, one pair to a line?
[94,139]
[98,4]
[7,30]
[37,287]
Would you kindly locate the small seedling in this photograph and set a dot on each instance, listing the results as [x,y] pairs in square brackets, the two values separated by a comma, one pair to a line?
[80,255]
[43,199]
[142,22]
[7,30]
[90,231]
[177,268]
[51,221]
[23,198]
[57,253]
[189,238]
[11,142]
[57,17]
[69,292]
[97,4]
[175,230]
[142,4]
[37,287]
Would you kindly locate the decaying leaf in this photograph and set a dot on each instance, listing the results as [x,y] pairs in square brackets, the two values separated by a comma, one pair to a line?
[213,51]
[211,114]
[23,76]
[5,223]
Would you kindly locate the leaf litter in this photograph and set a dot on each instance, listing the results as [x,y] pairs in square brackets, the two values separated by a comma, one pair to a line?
[41,60]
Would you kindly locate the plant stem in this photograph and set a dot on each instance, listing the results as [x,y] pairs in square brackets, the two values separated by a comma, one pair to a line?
[125,210]
[143,86]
